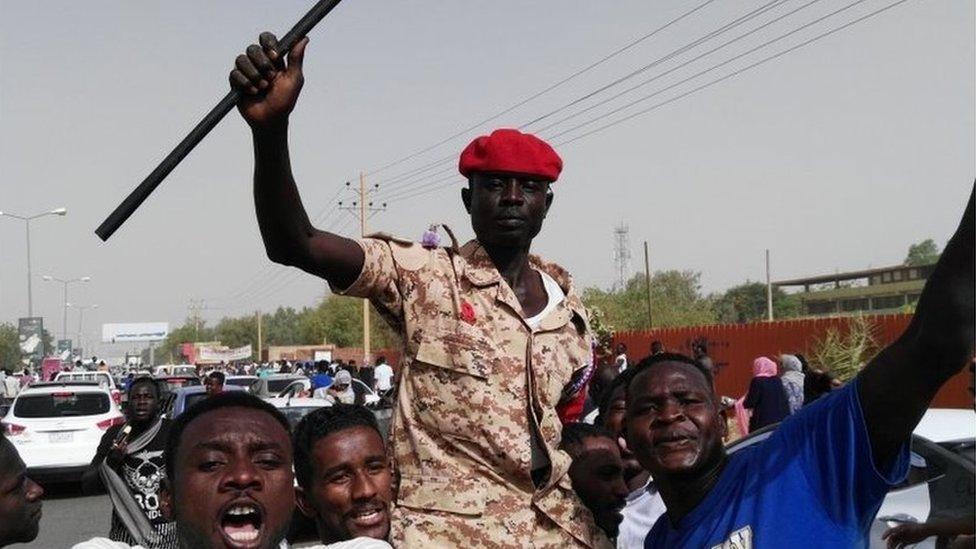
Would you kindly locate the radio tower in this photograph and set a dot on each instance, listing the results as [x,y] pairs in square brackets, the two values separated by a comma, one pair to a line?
[621,255]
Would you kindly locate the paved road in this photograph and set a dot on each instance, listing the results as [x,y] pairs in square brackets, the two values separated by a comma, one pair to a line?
[69,517]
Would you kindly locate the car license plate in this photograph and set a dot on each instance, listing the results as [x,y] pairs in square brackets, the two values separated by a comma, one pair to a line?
[64,436]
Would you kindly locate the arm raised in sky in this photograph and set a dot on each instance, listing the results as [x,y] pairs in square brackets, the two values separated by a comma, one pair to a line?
[270,88]
[900,383]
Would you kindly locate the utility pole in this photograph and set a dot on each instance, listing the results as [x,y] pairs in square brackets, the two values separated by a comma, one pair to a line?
[258,314]
[769,291]
[363,207]
[362,233]
[196,308]
[647,282]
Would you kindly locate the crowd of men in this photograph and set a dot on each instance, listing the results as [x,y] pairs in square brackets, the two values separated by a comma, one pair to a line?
[486,447]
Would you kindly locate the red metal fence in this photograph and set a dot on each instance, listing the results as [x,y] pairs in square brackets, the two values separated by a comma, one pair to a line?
[734,346]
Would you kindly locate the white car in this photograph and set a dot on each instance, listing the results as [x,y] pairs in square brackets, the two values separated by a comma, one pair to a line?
[56,427]
[175,370]
[240,381]
[103,379]
[303,385]
[295,408]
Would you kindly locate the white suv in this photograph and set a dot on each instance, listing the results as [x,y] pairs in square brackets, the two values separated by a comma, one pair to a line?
[104,380]
[56,427]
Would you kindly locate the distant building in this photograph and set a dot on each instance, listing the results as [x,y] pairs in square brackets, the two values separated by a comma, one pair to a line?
[877,291]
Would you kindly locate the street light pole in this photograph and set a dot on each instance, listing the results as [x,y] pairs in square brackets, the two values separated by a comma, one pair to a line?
[64,321]
[30,293]
[27,219]
[81,316]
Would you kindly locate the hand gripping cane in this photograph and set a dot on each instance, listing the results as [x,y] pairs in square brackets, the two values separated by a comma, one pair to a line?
[209,122]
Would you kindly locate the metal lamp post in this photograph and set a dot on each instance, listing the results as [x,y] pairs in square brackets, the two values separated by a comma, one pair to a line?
[64,322]
[81,316]
[27,219]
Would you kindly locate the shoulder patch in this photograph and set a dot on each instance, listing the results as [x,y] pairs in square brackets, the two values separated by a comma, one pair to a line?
[407,254]
[387,237]
[410,257]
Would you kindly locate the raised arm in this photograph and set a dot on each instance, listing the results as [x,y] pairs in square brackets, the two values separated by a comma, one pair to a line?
[900,383]
[270,89]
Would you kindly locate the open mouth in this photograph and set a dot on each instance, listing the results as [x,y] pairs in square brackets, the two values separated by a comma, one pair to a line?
[673,442]
[369,516]
[241,524]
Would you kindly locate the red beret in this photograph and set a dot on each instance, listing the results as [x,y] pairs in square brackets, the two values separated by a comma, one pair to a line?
[510,151]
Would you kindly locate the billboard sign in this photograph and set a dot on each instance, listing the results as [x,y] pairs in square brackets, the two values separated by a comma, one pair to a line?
[30,334]
[212,354]
[134,332]
[64,348]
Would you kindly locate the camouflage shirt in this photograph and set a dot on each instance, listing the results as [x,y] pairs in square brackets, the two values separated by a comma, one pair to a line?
[475,385]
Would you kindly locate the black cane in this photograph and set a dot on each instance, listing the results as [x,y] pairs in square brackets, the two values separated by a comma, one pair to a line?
[148,185]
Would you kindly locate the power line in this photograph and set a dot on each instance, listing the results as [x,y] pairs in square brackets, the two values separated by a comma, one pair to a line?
[329,207]
[737,72]
[400,194]
[406,181]
[678,67]
[710,69]
[545,90]
[285,275]
[270,275]
[734,23]
[716,81]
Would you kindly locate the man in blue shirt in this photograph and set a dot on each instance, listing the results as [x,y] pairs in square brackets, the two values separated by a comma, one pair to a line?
[322,378]
[820,478]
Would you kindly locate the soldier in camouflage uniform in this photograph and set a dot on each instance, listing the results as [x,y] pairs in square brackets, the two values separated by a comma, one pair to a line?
[491,333]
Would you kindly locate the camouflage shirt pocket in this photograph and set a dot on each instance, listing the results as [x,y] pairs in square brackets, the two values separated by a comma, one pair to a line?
[449,381]
[463,496]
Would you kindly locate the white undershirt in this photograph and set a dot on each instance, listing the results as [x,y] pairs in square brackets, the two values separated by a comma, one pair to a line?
[644,507]
[554,295]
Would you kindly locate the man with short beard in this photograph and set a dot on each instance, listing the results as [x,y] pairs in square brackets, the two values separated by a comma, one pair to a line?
[820,477]
[344,474]
[129,465]
[20,498]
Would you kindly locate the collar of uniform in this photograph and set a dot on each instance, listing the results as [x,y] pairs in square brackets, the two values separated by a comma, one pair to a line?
[481,271]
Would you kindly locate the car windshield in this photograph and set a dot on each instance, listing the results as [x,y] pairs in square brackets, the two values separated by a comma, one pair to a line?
[295,413]
[61,404]
[241,381]
[278,385]
[193,399]
[177,382]
[102,379]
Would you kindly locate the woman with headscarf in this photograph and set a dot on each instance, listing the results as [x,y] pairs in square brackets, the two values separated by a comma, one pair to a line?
[793,381]
[341,390]
[766,397]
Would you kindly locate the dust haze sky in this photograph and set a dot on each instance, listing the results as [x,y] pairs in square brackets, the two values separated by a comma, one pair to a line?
[835,156]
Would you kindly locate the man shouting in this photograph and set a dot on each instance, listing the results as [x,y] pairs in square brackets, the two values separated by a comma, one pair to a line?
[491,333]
